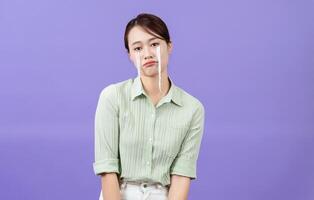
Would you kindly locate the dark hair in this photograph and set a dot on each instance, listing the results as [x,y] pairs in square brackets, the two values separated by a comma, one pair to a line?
[150,23]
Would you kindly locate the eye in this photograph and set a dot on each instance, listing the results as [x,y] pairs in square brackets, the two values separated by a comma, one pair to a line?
[137,49]
[155,44]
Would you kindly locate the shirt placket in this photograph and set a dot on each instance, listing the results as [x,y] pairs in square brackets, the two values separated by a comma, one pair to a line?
[150,139]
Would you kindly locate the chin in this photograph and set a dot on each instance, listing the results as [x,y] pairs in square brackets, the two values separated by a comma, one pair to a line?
[150,75]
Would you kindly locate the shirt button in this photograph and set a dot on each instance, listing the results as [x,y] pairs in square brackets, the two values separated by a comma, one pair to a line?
[147,163]
[153,115]
[150,139]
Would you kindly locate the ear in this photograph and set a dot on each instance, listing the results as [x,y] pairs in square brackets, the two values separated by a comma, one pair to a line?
[129,55]
[169,45]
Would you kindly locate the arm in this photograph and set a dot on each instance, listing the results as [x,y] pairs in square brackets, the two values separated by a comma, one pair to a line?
[107,163]
[183,168]
[110,186]
[179,187]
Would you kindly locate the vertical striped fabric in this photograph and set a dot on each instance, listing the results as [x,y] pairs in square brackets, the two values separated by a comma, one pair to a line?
[140,141]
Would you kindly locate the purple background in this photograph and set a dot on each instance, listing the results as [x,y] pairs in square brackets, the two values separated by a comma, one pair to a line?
[251,63]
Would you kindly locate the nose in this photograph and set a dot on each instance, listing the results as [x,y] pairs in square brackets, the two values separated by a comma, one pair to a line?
[147,53]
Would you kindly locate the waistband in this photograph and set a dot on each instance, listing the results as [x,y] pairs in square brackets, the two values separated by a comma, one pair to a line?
[143,184]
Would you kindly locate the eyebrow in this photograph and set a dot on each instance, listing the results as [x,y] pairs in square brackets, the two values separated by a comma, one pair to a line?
[148,40]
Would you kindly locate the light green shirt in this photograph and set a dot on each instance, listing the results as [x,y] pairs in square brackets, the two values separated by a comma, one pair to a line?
[142,142]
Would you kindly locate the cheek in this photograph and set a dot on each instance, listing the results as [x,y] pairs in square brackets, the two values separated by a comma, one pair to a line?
[164,58]
[133,59]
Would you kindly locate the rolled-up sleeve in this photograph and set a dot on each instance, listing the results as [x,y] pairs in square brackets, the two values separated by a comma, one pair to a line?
[106,131]
[185,162]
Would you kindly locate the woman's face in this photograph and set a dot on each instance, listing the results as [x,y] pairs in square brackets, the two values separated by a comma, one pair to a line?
[145,44]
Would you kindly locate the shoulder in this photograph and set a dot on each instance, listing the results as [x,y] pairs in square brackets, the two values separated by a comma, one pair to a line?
[112,90]
[190,102]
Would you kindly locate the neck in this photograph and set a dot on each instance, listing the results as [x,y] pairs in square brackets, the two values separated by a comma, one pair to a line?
[150,85]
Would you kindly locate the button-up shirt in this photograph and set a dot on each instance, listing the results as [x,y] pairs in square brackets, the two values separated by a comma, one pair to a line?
[141,141]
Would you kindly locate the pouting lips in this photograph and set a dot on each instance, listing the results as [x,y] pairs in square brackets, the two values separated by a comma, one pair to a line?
[149,63]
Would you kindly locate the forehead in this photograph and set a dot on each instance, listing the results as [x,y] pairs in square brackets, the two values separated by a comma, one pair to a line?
[138,34]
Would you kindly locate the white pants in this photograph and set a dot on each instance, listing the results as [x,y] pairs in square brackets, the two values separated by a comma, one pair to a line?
[141,191]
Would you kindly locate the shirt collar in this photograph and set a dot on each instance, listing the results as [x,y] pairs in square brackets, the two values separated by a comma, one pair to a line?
[173,94]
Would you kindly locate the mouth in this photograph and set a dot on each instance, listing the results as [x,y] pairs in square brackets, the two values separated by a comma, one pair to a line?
[150,64]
